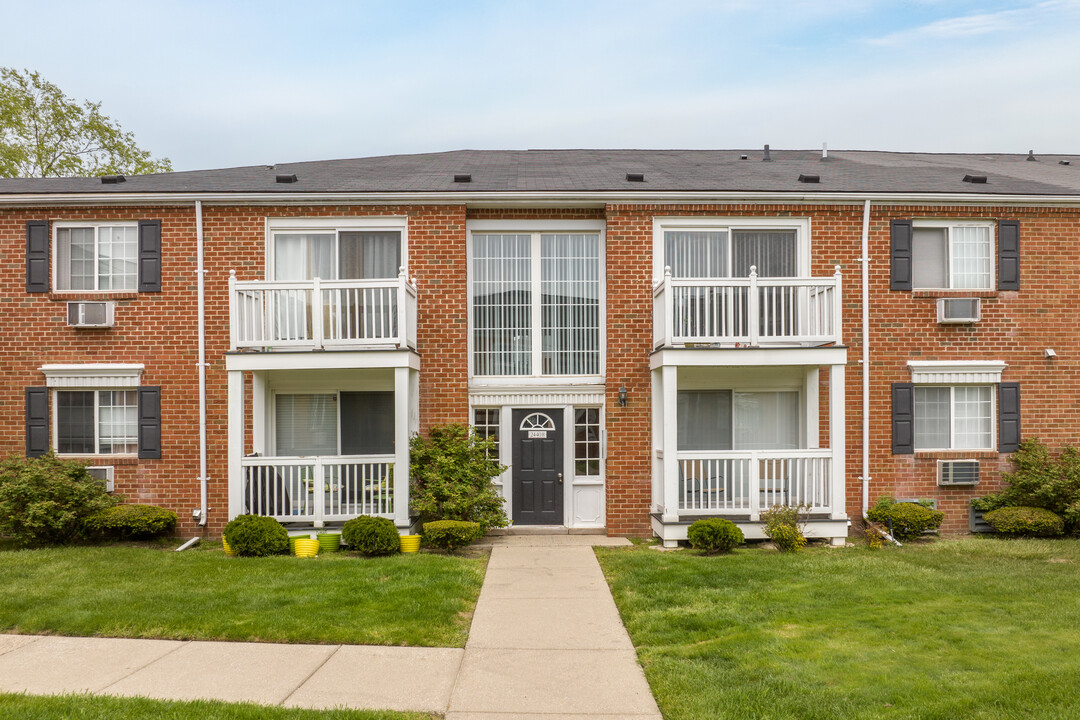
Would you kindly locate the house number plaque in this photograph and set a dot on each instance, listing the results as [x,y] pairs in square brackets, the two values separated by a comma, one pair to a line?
[538,434]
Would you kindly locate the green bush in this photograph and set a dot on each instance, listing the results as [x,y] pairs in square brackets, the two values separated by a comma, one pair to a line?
[451,534]
[133,521]
[784,526]
[451,478]
[714,535]
[1038,479]
[371,535]
[905,520]
[1020,520]
[46,501]
[256,536]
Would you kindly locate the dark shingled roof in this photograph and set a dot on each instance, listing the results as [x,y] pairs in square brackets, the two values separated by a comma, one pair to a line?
[586,171]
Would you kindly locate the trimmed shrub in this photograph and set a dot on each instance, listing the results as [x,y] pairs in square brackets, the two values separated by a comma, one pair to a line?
[714,535]
[371,535]
[1039,479]
[256,536]
[451,534]
[452,470]
[46,501]
[784,526]
[1020,520]
[905,520]
[133,521]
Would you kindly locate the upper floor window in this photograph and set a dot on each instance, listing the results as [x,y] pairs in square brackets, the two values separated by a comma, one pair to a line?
[97,257]
[536,303]
[336,248]
[708,248]
[952,256]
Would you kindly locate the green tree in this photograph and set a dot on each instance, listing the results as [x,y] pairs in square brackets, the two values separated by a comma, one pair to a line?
[44,133]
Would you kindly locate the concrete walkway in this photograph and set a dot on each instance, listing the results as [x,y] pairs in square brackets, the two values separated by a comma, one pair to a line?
[546,642]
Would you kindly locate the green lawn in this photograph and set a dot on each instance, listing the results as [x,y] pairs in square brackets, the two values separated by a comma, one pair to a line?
[86,707]
[124,591]
[970,629]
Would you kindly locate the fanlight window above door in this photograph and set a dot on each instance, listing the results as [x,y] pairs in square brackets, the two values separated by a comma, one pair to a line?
[537,421]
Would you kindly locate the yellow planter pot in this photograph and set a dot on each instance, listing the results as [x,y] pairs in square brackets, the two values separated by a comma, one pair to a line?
[228,550]
[306,547]
[410,543]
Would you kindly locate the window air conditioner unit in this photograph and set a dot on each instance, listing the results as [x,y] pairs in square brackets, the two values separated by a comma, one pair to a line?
[958,311]
[90,314]
[958,472]
[103,472]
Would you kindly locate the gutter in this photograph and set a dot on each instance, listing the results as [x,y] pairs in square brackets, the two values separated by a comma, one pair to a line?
[201,276]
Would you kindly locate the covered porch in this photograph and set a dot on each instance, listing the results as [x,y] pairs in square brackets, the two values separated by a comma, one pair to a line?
[737,431]
[319,438]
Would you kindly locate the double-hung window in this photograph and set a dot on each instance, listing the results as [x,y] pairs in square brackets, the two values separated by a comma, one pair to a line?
[336,254]
[952,256]
[97,258]
[957,417]
[536,303]
[97,422]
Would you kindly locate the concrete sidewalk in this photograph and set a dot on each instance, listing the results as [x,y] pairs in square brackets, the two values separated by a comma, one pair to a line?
[546,640]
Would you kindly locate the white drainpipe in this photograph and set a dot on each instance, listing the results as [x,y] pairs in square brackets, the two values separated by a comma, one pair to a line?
[201,273]
[865,477]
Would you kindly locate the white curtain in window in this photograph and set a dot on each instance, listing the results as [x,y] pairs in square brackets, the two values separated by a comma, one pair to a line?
[704,420]
[970,249]
[369,255]
[303,256]
[75,259]
[766,420]
[306,425]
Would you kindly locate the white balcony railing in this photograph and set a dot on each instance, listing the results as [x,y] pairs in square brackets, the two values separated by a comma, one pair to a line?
[317,313]
[318,489]
[743,482]
[751,311]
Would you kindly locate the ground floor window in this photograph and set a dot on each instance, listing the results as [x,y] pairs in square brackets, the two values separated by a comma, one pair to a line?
[486,425]
[97,422]
[587,442]
[958,417]
[737,420]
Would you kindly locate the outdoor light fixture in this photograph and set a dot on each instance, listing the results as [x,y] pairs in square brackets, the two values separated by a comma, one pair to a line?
[622,396]
[1049,353]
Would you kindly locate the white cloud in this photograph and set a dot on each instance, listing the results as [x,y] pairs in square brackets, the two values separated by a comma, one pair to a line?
[978,24]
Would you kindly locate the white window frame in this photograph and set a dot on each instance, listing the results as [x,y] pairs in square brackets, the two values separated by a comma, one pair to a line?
[536,228]
[801,226]
[335,225]
[96,225]
[948,226]
[596,479]
[952,418]
[54,400]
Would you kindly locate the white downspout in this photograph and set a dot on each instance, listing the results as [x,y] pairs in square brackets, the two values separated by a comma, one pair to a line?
[865,477]
[201,273]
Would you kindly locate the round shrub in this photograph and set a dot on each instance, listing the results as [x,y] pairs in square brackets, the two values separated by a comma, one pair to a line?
[46,501]
[256,536]
[1022,520]
[784,526]
[451,534]
[788,538]
[714,535]
[133,521]
[371,535]
[907,520]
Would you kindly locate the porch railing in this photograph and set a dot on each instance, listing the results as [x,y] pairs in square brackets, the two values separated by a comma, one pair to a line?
[747,482]
[318,489]
[315,314]
[751,311]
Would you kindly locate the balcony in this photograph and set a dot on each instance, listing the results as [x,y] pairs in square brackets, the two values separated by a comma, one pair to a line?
[747,312]
[320,314]
[744,483]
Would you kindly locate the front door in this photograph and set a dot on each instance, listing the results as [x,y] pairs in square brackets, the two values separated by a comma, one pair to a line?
[537,467]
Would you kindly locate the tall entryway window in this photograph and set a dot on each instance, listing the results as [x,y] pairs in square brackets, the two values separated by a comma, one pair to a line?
[537,469]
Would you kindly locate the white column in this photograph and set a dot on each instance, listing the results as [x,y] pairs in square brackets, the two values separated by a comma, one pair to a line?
[837,440]
[236,442]
[656,450]
[260,404]
[403,402]
[670,387]
[813,411]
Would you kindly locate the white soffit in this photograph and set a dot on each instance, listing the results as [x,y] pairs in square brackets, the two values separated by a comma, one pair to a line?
[956,372]
[92,376]
[495,397]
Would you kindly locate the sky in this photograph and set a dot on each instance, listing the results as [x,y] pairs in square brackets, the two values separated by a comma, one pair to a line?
[227,83]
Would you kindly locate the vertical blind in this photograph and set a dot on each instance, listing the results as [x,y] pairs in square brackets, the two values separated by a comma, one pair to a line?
[502,304]
[570,292]
[728,420]
[306,425]
[720,253]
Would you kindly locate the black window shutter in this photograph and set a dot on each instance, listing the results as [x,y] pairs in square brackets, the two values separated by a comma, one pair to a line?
[37,256]
[37,421]
[1008,255]
[1008,417]
[149,256]
[900,255]
[903,418]
[150,423]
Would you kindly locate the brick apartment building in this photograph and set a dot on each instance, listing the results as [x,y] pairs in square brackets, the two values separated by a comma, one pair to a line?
[650,336]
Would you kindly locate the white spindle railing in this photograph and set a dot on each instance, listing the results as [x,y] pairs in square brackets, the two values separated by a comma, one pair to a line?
[319,313]
[747,482]
[751,311]
[318,489]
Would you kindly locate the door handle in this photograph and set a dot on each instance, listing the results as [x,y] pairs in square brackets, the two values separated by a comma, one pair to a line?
[560,477]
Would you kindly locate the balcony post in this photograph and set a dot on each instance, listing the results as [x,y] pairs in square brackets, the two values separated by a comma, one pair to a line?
[753,305]
[402,309]
[838,309]
[669,309]
[755,487]
[837,442]
[669,386]
[403,403]
[233,315]
[236,442]
[317,313]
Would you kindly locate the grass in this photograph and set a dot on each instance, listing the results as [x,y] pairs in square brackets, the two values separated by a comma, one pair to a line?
[88,707]
[123,591]
[974,629]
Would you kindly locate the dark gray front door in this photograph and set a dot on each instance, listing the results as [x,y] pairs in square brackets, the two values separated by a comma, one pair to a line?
[537,469]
